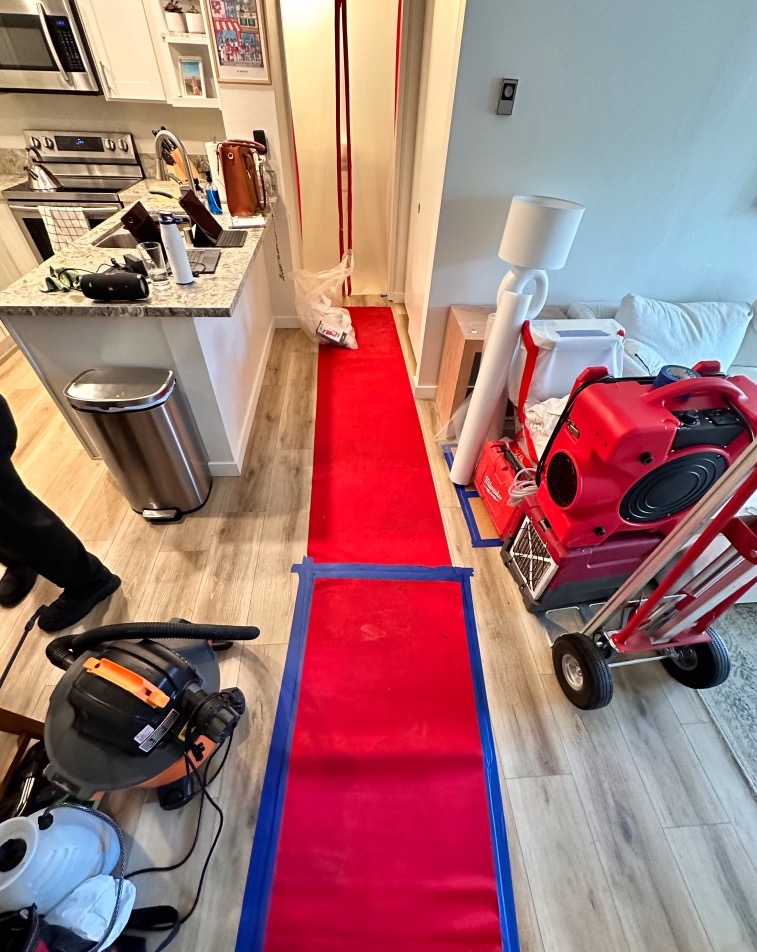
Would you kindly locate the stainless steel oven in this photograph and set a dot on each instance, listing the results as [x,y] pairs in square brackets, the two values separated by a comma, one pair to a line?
[43,49]
[30,221]
[91,170]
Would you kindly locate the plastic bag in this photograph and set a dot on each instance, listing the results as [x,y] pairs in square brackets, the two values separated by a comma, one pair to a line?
[314,294]
[88,909]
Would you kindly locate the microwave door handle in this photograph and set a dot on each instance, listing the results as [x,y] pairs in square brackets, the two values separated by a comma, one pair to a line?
[42,13]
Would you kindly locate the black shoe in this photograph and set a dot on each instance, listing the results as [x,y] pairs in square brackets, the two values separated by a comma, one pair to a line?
[74,604]
[15,585]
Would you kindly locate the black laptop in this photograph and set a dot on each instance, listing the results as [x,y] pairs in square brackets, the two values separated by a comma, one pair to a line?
[208,233]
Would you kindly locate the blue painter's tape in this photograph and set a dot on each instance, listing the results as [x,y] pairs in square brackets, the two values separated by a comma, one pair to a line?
[506,897]
[257,894]
[370,570]
[464,497]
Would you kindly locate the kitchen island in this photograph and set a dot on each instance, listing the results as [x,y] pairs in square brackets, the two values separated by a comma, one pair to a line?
[215,334]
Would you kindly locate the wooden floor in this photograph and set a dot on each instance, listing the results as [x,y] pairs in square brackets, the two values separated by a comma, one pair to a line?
[629,828]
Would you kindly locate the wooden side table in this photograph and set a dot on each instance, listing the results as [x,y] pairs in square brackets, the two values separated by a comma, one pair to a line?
[463,340]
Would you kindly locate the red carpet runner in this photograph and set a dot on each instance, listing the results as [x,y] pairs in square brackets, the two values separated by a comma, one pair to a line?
[386,819]
[373,495]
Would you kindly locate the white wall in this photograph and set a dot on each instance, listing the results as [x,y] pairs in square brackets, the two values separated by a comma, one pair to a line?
[19,111]
[246,107]
[644,111]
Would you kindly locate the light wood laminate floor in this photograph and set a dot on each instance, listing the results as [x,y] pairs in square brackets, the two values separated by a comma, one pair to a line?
[629,828]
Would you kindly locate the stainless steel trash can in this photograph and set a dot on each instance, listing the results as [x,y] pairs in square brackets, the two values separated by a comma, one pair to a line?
[145,433]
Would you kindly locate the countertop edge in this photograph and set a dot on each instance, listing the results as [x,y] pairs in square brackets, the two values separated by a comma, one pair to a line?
[58,307]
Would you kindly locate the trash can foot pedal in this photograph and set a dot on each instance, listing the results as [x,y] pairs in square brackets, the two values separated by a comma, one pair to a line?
[162,515]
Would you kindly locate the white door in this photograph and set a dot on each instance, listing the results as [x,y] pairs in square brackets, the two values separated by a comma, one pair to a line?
[122,47]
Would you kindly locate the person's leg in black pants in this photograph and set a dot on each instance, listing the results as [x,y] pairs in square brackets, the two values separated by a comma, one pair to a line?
[34,541]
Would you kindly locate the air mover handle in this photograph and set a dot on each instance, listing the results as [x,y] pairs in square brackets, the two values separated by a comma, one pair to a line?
[682,389]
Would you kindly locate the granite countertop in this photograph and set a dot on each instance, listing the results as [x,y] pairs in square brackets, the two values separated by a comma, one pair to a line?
[9,179]
[213,296]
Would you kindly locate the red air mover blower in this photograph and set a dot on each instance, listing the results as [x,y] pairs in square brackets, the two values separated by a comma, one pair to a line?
[628,457]
[549,575]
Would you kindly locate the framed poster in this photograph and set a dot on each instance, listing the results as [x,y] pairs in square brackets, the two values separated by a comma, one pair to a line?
[192,80]
[240,49]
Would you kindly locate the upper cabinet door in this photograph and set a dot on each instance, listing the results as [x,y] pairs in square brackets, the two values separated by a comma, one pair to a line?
[123,50]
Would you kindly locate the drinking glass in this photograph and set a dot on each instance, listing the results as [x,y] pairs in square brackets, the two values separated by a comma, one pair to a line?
[151,253]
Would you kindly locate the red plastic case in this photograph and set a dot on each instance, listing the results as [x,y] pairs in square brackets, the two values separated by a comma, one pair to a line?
[493,478]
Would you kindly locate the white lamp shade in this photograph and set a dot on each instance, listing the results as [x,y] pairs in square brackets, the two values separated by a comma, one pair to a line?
[539,231]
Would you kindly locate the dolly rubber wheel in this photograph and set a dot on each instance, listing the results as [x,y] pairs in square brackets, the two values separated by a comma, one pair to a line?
[582,671]
[705,665]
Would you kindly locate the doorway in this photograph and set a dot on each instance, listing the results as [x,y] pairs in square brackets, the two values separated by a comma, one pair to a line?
[352,170]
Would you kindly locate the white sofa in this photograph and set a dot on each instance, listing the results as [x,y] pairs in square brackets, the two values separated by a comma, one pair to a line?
[745,362]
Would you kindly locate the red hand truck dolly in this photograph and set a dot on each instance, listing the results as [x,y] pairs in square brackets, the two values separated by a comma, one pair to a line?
[666,609]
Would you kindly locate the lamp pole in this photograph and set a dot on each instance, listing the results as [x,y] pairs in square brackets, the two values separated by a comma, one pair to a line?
[538,236]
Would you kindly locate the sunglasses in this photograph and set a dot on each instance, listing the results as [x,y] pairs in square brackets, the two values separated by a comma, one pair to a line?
[63,279]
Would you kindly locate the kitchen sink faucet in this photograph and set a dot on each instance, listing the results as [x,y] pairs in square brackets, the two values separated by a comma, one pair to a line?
[171,140]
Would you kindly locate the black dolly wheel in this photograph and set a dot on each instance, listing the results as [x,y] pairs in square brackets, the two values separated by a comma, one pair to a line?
[705,665]
[582,671]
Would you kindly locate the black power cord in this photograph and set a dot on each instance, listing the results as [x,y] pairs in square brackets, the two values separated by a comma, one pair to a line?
[201,777]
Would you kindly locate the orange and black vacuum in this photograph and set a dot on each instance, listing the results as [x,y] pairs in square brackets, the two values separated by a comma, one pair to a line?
[140,704]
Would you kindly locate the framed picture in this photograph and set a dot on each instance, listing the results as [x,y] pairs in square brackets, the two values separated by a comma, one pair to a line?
[191,77]
[240,48]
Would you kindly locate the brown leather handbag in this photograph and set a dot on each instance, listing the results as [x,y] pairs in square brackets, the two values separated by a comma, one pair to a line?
[245,191]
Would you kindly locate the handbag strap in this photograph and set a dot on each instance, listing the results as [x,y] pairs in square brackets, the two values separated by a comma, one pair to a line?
[253,172]
[250,143]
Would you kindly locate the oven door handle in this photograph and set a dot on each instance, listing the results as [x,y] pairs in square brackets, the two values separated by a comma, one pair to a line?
[89,210]
[42,13]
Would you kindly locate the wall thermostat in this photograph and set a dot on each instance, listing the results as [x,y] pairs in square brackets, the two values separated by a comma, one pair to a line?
[506,97]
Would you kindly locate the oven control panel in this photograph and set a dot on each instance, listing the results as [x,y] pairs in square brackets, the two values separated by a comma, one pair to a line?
[81,146]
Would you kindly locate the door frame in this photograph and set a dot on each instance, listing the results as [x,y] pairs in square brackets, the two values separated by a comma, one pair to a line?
[411,58]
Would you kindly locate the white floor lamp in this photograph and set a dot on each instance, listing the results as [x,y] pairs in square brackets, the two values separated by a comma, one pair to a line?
[538,237]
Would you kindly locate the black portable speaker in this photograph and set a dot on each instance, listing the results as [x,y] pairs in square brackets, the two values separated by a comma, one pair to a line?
[114,286]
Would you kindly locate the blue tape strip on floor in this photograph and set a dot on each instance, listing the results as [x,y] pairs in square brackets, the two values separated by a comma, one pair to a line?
[507,917]
[257,894]
[464,497]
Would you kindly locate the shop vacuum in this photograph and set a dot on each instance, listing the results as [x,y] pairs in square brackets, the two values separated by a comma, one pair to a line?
[139,705]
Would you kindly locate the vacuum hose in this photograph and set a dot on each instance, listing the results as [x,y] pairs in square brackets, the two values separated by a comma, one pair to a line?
[63,651]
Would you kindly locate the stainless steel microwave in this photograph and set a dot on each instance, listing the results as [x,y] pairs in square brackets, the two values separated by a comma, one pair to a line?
[43,49]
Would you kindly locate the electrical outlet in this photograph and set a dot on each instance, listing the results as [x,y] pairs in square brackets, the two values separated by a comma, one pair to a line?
[506,97]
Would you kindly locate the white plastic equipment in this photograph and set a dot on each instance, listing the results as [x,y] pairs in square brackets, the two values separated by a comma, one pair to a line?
[51,863]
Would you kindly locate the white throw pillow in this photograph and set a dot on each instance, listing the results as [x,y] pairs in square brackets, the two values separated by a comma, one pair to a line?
[659,333]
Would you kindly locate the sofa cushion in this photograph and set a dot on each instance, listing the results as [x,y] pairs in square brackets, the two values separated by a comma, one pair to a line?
[747,355]
[658,333]
[599,310]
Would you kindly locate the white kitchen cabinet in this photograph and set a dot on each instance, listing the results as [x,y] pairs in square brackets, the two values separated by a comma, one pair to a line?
[122,47]
[16,257]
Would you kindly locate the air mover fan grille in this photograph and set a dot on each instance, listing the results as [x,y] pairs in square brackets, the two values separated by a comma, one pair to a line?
[672,487]
[562,480]
[530,556]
